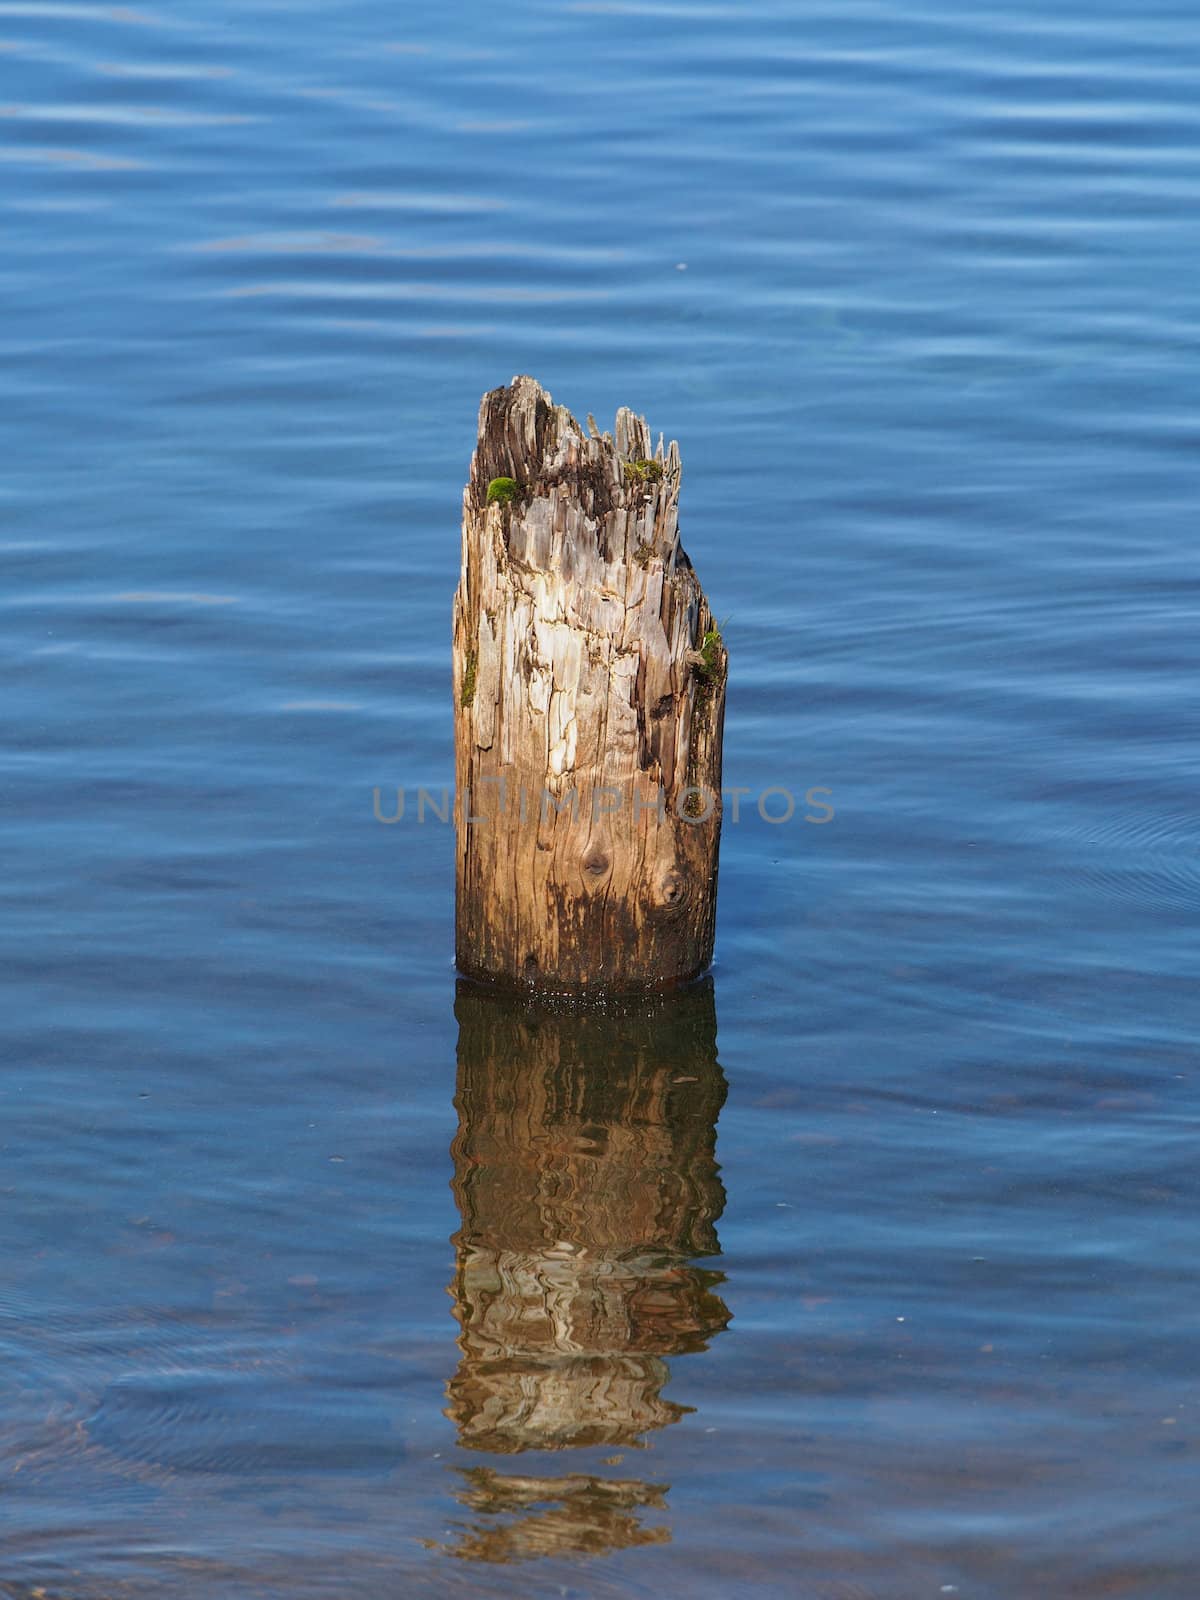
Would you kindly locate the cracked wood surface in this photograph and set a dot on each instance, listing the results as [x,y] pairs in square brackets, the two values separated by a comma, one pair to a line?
[588,723]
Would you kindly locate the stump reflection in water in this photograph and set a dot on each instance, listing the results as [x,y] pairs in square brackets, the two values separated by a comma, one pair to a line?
[576,1515]
[586,1178]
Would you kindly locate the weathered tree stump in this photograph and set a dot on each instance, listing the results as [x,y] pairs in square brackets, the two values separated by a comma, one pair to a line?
[589,692]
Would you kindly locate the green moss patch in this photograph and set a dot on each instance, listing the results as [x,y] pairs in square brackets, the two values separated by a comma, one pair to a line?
[470,673]
[643,471]
[712,656]
[502,491]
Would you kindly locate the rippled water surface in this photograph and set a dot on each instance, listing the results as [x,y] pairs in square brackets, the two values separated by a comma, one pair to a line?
[867,1271]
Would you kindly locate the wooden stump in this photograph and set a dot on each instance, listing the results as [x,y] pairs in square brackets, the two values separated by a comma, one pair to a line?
[589,693]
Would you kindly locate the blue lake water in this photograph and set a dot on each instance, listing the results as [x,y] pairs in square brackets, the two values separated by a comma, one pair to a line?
[915,288]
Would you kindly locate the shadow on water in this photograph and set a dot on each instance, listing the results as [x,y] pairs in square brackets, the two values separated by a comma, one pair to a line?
[586,1178]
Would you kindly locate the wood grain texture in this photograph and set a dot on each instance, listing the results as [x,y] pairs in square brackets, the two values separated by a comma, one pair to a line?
[589,695]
